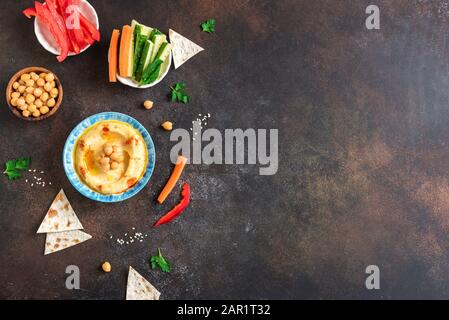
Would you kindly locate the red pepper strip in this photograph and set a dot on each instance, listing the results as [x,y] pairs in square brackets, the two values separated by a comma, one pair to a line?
[88,38]
[178,209]
[77,34]
[61,7]
[30,12]
[44,16]
[90,28]
[51,4]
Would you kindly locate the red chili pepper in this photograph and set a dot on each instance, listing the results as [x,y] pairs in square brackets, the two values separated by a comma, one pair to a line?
[45,17]
[178,209]
[30,12]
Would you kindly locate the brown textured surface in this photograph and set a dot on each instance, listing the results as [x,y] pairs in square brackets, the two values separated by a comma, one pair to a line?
[364,160]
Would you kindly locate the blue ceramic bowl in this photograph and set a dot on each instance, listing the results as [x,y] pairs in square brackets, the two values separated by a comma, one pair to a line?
[69,168]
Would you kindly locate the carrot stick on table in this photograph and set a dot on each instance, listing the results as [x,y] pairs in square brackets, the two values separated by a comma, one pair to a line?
[176,174]
[113,56]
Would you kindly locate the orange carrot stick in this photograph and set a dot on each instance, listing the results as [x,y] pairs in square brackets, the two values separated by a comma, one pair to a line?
[176,174]
[113,56]
[125,43]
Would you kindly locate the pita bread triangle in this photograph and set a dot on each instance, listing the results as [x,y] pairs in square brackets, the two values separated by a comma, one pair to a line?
[57,241]
[182,48]
[139,288]
[60,216]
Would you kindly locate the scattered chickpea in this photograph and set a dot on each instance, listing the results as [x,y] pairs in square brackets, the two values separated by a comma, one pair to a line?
[167,125]
[26,113]
[106,266]
[148,104]
[51,103]
[44,110]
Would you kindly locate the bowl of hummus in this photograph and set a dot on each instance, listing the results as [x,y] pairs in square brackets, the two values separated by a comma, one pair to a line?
[109,157]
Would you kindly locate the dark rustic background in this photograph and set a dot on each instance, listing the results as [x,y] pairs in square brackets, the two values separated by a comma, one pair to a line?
[363,120]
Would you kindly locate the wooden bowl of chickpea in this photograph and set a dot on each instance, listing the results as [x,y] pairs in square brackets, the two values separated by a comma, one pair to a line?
[34,94]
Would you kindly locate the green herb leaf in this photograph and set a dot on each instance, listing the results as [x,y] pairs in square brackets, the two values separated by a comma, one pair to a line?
[14,167]
[159,261]
[208,26]
[178,94]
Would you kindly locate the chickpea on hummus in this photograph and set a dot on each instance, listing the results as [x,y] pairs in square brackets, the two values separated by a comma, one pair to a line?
[111,157]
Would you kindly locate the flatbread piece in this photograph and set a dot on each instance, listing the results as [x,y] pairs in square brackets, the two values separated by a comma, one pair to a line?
[57,241]
[60,217]
[182,48]
[139,288]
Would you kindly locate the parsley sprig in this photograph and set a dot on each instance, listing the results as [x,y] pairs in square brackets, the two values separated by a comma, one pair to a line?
[13,168]
[208,26]
[178,93]
[159,261]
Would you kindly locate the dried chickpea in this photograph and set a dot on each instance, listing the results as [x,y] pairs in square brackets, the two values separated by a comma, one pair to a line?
[29,90]
[23,107]
[44,97]
[51,103]
[26,113]
[114,165]
[31,108]
[14,102]
[22,89]
[53,84]
[148,104]
[44,110]
[106,267]
[40,82]
[49,77]
[39,103]
[29,83]
[54,92]
[36,114]
[167,125]
[108,149]
[42,75]
[15,95]
[30,98]
[24,77]
[48,87]
[21,102]
[34,76]
[38,92]
[16,85]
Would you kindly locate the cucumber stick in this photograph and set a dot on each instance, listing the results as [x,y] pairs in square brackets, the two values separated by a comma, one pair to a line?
[158,40]
[144,60]
[151,73]
[141,35]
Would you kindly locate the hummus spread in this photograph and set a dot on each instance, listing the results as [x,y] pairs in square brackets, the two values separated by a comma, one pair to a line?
[111,157]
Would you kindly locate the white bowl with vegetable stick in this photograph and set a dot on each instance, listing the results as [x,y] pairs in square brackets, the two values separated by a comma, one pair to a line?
[143,55]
